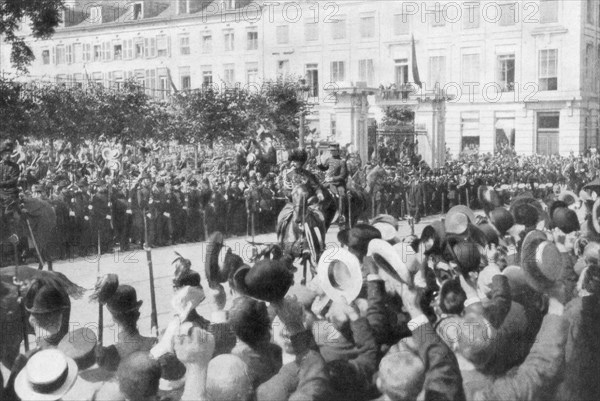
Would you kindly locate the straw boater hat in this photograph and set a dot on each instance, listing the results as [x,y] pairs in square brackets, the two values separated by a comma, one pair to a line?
[387,226]
[340,275]
[389,261]
[540,260]
[48,376]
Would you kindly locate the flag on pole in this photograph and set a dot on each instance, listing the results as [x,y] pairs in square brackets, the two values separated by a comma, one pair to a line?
[415,67]
[171,80]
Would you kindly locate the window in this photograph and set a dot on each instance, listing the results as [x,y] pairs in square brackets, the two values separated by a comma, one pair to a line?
[69,53]
[150,83]
[137,11]
[311,31]
[77,53]
[182,7]
[164,86]
[366,71]
[139,77]
[590,11]
[229,4]
[207,76]
[283,67]
[252,72]
[505,130]
[470,68]
[548,70]
[508,17]
[506,72]
[185,79]
[87,52]
[95,15]
[118,51]
[97,78]
[401,71]
[150,47]
[229,73]
[437,70]
[252,40]
[367,27]
[107,51]
[401,24]
[45,56]
[184,45]
[97,52]
[128,49]
[116,79]
[78,80]
[312,79]
[547,133]
[139,48]
[472,16]
[282,33]
[548,11]
[162,46]
[60,55]
[206,43]
[338,29]
[469,131]
[229,42]
[338,71]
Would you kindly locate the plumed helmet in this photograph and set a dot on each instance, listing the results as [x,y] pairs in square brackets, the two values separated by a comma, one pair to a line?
[298,155]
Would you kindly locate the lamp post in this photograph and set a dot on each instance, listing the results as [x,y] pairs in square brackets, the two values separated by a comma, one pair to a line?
[302,90]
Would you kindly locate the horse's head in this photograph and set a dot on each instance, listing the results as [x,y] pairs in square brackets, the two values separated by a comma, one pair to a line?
[299,200]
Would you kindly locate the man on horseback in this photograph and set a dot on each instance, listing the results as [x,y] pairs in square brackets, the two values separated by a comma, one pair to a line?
[335,179]
[298,175]
[9,189]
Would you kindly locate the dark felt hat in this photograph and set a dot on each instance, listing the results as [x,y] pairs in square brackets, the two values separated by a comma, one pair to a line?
[219,271]
[187,278]
[452,297]
[490,233]
[565,219]
[502,219]
[46,298]
[540,260]
[526,214]
[267,280]
[124,300]
[358,237]
[466,255]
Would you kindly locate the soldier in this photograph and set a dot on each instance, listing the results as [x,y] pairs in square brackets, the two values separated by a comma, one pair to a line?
[162,217]
[9,190]
[297,175]
[206,211]
[336,173]
[101,217]
[194,218]
[178,214]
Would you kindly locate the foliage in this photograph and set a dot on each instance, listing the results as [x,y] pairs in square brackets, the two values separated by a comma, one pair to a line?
[15,109]
[43,17]
[397,116]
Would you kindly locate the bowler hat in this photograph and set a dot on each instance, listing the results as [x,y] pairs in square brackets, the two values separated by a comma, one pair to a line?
[502,219]
[267,280]
[358,237]
[124,300]
[565,219]
[46,299]
[540,260]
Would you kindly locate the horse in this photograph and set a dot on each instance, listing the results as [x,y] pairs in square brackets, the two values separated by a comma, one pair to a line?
[39,221]
[302,225]
[11,318]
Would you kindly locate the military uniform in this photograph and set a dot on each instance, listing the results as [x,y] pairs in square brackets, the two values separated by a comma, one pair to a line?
[336,173]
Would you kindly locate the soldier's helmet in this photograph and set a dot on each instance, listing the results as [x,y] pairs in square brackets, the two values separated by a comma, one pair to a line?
[298,155]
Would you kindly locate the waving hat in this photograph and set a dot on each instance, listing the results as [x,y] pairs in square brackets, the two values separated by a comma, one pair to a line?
[268,280]
[488,197]
[540,260]
[568,197]
[220,261]
[389,260]
[340,275]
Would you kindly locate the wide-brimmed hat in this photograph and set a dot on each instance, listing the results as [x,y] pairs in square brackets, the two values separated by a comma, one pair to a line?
[47,299]
[488,197]
[540,260]
[268,280]
[48,376]
[389,261]
[491,234]
[80,345]
[340,274]
[358,237]
[464,210]
[568,197]
[456,223]
[124,300]
[220,261]
[387,226]
[465,254]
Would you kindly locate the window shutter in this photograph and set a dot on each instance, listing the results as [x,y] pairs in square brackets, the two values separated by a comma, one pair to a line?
[146,50]
[54,55]
[152,47]
[168,46]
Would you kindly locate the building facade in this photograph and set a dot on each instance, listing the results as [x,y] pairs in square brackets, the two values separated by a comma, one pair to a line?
[518,72]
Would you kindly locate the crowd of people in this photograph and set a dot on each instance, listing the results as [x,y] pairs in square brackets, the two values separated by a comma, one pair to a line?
[499,305]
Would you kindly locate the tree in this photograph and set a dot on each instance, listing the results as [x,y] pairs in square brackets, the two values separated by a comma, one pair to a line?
[15,108]
[43,16]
